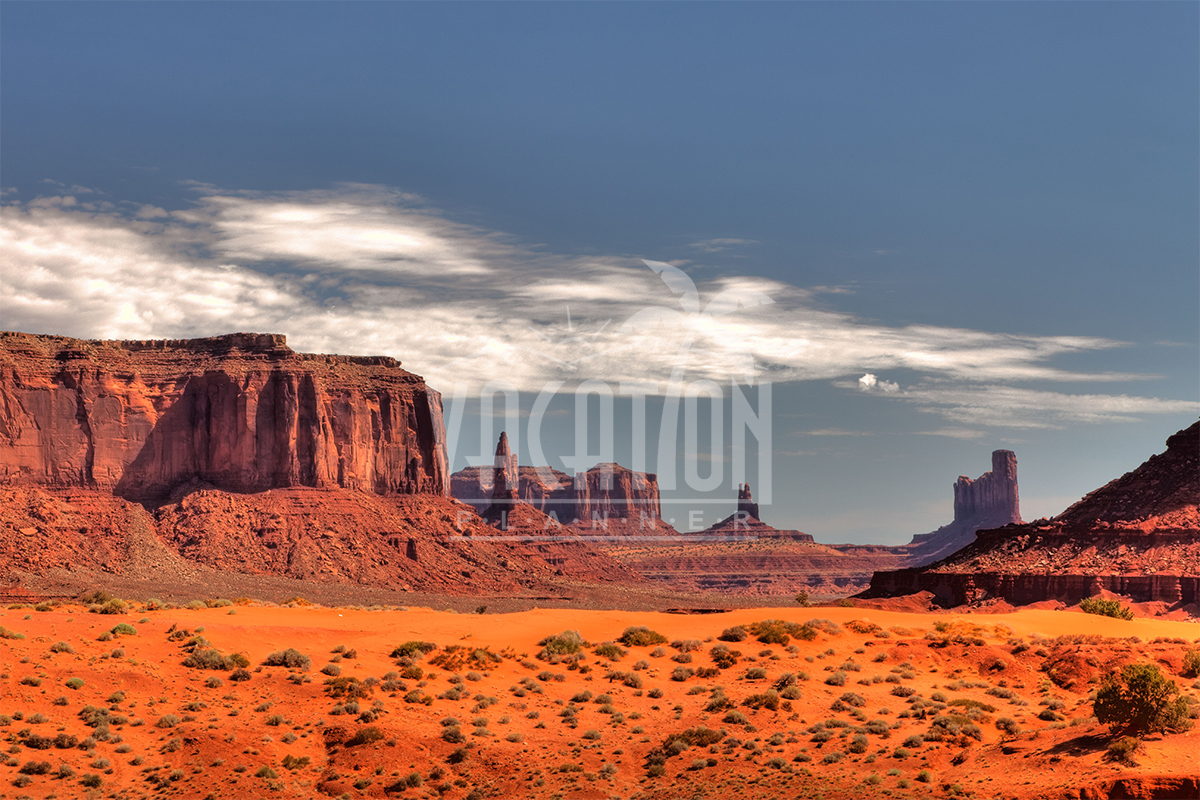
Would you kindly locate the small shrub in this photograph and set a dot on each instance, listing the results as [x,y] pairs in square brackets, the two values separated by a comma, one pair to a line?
[293,763]
[413,649]
[836,678]
[768,700]
[775,631]
[266,772]
[365,735]
[1191,664]
[734,634]
[61,647]
[566,643]
[290,658]
[1008,726]
[641,636]
[724,656]
[611,651]
[1105,608]
[74,683]
[123,629]
[1121,750]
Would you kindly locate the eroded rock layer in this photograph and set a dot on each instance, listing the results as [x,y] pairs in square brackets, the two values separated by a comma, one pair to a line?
[242,412]
[338,536]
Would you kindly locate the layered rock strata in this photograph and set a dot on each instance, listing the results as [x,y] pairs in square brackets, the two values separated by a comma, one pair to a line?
[242,412]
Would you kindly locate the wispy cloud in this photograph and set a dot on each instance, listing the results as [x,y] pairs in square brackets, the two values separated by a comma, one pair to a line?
[367,269]
[720,245]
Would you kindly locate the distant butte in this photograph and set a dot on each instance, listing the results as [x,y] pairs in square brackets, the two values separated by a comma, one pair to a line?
[608,498]
[989,501]
[1137,536]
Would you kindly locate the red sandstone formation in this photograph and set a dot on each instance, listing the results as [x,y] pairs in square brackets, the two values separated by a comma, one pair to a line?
[241,412]
[989,501]
[399,542]
[744,523]
[504,484]
[753,566]
[606,496]
[243,456]
[746,505]
[612,492]
[1138,536]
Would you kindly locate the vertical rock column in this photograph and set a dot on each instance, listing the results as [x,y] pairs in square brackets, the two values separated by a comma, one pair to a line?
[505,484]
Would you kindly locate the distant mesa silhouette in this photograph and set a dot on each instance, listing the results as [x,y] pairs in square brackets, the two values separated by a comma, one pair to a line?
[607,497]
[989,501]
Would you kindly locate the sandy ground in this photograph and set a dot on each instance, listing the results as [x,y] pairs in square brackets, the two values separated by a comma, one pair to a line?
[525,727]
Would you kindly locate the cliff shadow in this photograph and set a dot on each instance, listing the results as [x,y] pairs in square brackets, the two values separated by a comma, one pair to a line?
[198,428]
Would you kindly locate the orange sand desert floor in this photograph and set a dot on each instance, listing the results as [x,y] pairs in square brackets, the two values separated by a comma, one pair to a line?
[878,704]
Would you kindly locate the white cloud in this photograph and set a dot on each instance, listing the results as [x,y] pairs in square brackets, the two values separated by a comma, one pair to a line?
[367,270]
[870,383]
[1017,407]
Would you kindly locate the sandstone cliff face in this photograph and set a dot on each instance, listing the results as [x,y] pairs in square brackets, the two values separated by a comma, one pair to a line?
[322,536]
[610,491]
[1160,495]
[1139,536]
[241,412]
[990,500]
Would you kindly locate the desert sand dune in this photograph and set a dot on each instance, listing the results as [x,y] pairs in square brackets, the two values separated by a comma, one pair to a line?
[847,713]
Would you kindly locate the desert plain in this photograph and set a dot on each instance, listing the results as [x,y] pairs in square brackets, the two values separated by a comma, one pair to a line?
[249,699]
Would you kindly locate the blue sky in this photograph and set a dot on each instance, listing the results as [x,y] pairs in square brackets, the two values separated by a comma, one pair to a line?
[991,207]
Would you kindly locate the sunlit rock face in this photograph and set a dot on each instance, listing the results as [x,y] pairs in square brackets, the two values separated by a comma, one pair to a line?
[242,412]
